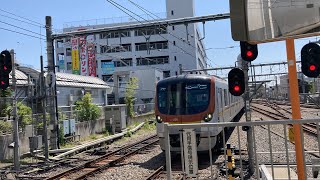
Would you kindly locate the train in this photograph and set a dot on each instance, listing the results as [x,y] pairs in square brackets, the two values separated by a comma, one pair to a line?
[195,98]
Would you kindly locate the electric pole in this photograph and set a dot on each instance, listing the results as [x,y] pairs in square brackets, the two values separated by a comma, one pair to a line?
[51,68]
[44,111]
[15,116]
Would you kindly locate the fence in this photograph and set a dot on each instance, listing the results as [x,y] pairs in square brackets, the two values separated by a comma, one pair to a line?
[272,148]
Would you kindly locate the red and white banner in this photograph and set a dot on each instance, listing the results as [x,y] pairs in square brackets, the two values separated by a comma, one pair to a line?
[92,60]
[83,55]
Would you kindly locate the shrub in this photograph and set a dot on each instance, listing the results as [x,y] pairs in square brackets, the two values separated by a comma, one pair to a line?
[87,111]
[5,127]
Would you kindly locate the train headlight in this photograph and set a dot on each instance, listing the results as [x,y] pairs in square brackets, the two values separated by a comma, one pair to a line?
[208,117]
[158,118]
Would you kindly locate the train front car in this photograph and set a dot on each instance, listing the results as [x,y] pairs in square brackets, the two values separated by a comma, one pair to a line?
[182,100]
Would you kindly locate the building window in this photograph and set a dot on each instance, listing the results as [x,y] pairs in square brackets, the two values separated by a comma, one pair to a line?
[174,42]
[152,46]
[60,56]
[114,49]
[68,39]
[104,61]
[166,74]
[150,31]
[68,52]
[115,34]
[123,63]
[60,44]
[107,78]
[176,73]
[69,66]
[152,60]
[172,13]
[172,28]
[175,58]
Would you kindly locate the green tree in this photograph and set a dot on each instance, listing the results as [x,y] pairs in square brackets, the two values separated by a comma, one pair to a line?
[129,94]
[86,109]
[24,114]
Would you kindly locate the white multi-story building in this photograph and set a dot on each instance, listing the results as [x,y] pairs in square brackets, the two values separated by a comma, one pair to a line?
[163,48]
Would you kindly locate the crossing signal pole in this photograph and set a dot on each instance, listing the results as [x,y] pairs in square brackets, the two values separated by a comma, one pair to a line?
[310,60]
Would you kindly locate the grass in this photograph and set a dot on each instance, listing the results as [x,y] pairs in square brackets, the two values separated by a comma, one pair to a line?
[146,128]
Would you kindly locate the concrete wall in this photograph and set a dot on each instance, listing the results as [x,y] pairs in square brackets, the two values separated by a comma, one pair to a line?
[5,140]
[85,129]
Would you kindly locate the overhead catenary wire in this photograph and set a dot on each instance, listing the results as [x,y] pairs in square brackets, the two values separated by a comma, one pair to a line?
[39,24]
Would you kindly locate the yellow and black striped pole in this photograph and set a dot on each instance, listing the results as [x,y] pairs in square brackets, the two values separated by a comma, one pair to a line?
[231,166]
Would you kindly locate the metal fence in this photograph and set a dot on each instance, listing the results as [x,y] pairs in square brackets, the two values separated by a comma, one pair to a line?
[273,150]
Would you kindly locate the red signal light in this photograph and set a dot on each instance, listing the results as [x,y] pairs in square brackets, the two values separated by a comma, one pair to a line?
[237,88]
[249,54]
[5,68]
[312,67]
[2,83]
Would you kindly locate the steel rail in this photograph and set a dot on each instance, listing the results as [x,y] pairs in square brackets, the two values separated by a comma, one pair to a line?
[105,158]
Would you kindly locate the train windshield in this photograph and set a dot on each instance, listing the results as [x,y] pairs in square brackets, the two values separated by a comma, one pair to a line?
[183,98]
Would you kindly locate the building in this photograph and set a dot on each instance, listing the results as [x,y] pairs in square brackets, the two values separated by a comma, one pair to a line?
[284,84]
[147,80]
[163,48]
[70,87]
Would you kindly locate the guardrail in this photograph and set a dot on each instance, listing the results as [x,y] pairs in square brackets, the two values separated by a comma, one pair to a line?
[272,141]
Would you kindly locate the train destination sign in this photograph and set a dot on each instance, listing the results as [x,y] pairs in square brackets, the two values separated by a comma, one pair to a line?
[263,20]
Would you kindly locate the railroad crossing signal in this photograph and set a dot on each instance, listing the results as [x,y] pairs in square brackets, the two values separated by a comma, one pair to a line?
[249,52]
[5,68]
[310,60]
[236,82]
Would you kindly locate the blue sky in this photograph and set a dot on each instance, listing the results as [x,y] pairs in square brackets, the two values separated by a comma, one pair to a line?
[28,49]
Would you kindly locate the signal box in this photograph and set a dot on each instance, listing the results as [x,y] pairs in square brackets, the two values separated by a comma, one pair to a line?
[236,82]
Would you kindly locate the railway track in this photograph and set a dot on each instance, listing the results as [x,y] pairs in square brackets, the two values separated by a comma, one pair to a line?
[106,161]
[310,128]
[160,173]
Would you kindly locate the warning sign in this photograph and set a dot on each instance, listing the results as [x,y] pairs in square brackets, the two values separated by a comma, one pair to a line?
[291,134]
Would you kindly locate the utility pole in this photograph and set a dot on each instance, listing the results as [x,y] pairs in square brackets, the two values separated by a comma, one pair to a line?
[15,116]
[51,98]
[245,68]
[44,110]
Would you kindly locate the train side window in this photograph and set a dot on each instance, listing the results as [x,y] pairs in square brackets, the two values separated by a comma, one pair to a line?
[225,97]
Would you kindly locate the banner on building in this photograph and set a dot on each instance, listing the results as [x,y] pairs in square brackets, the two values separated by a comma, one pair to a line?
[107,67]
[83,55]
[92,60]
[75,56]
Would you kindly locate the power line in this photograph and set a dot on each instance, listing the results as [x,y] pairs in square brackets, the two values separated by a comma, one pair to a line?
[120,7]
[21,28]
[149,12]
[20,20]
[22,17]
[21,33]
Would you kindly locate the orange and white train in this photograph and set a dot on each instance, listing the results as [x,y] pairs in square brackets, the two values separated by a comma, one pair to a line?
[195,98]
